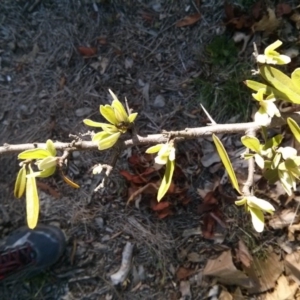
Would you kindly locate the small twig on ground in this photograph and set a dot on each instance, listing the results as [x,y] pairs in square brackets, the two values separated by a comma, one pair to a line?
[122,273]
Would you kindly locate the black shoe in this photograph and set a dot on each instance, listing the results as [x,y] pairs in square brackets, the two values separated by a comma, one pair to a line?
[27,252]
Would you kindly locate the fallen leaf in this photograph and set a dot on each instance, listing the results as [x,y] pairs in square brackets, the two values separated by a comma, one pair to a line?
[243,254]
[87,51]
[150,188]
[224,295]
[224,271]
[283,9]
[296,18]
[264,272]
[285,218]
[160,206]
[189,20]
[268,23]
[257,10]
[48,189]
[185,289]
[292,265]
[285,290]
[183,273]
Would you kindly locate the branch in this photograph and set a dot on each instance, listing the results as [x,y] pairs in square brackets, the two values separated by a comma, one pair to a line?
[137,140]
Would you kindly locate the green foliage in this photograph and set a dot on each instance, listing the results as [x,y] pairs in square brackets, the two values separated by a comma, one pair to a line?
[165,156]
[226,162]
[120,123]
[222,51]
[46,162]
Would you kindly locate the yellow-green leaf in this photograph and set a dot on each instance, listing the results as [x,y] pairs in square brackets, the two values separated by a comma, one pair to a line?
[267,90]
[258,219]
[281,82]
[132,117]
[47,163]
[34,154]
[45,173]
[154,149]
[119,109]
[109,114]
[241,202]
[296,77]
[259,161]
[166,181]
[251,142]
[294,128]
[226,162]
[32,201]
[273,142]
[276,161]
[91,123]
[109,141]
[261,204]
[50,147]
[20,182]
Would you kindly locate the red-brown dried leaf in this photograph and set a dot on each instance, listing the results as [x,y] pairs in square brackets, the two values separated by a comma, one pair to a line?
[87,51]
[164,213]
[183,273]
[102,40]
[189,20]
[257,10]
[150,188]
[229,10]
[208,227]
[132,178]
[48,189]
[160,206]
[283,9]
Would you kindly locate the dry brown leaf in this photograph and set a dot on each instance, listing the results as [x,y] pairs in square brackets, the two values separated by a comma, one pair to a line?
[224,295]
[285,290]
[48,189]
[223,269]
[268,23]
[264,273]
[87,51]
[185,289]
[283,9]
[296,18]
[189,20]
[285,218]
[292,265]
[243,254]
[183,273]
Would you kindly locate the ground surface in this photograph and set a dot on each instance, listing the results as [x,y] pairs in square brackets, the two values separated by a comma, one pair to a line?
[48,86]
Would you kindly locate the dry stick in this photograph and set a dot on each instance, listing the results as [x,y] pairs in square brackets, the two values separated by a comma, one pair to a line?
[122,273]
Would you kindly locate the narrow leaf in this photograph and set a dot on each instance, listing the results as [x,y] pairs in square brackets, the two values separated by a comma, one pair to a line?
[294,128]
[34,154]
[32,201]
[166,182]
[154,149]
[69,181]
[20,182]
[226,162]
